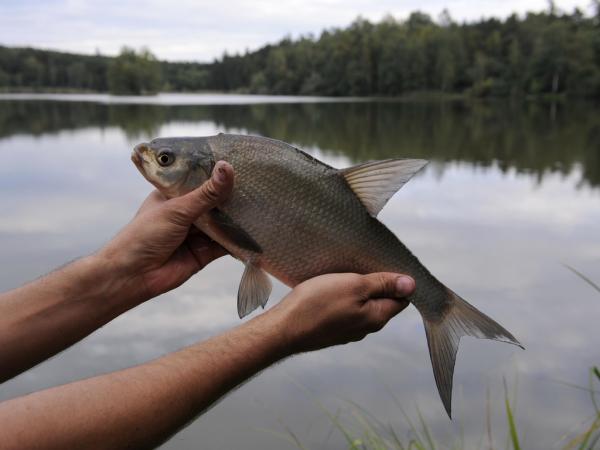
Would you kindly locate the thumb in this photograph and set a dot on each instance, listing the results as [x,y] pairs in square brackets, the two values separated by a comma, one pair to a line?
[213,191]
[388,285]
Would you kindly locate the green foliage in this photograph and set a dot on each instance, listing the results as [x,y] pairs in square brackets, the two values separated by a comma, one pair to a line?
[134,73]
[541,53]
[526,137]
[31,69]
[361,430]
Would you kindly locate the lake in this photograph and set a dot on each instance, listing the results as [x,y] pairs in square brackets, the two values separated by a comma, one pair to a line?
[511,194]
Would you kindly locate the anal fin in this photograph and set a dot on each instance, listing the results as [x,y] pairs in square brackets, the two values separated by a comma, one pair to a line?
[254,289]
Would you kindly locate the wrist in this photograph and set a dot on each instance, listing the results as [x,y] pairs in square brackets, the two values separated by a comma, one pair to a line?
[285,331]
[106,279]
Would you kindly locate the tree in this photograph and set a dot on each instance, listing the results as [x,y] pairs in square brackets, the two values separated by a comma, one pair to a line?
[133,73]
[550,52]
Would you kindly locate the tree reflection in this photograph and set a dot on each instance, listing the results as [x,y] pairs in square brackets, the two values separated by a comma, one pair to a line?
[532,137]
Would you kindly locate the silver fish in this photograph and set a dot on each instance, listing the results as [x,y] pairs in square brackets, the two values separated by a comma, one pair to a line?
[295,217]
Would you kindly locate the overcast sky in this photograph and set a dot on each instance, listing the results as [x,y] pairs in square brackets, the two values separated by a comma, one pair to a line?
[202,30]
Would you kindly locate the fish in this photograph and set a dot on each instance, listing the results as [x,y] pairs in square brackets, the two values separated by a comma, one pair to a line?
[294,217]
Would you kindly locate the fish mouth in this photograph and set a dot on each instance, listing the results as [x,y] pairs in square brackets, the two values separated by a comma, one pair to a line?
[141,157]
[137,156]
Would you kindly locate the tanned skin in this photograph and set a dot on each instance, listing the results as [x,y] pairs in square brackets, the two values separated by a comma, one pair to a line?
[143,406]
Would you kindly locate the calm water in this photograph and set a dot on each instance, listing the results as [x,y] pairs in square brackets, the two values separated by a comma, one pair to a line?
[512,192]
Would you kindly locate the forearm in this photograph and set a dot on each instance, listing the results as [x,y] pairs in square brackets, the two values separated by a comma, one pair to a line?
[48,315]
[142,406]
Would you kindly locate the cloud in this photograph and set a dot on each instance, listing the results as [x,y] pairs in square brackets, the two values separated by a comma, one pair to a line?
[203,30]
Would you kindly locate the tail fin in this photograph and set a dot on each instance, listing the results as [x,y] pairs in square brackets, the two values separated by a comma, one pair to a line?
[443,335]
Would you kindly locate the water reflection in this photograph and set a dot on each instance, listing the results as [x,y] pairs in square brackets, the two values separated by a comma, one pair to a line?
[532,138]
[518,196]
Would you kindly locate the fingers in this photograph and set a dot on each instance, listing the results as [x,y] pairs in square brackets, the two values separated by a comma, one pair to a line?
[204,249]
[381,310]
[212,192]
[384,297]
[385,284]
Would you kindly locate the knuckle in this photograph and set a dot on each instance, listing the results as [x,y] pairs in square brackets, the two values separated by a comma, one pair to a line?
[385,283]
[209,193]
[359,285]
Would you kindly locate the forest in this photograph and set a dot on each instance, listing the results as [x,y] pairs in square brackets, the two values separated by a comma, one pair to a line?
[545,53]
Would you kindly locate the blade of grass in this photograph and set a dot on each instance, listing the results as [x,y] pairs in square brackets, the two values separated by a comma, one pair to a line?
[594,442]
[416,444]
[488,419]
[583,277]
[592,392]
[377,426]
[372,435]
[576,386]
[338,424]
[395,438]
[406,416]
[289,437]
[332,417]
[425,430]
[585,437]
[366,413]
[512,428]
[288,431]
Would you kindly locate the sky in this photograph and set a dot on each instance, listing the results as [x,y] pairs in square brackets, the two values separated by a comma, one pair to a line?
[197,30]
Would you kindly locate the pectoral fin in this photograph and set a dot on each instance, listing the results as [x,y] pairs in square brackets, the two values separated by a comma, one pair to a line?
[234,232]
[375,182]
[254,290]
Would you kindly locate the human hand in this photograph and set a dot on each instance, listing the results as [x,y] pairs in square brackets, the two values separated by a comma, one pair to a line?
[336,309]
[160,248]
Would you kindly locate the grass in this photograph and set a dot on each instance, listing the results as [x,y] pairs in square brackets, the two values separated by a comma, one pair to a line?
[510,418]
[363,431]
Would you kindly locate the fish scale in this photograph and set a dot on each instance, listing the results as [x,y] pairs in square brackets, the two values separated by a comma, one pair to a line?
[295,217]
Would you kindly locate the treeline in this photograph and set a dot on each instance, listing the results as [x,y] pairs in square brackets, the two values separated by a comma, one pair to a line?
[129,73]
[548,52]
[541,53]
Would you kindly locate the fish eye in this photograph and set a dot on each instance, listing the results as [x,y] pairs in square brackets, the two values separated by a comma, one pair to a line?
[165,158]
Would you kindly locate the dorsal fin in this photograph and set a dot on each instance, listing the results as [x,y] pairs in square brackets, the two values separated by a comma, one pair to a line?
[375,182]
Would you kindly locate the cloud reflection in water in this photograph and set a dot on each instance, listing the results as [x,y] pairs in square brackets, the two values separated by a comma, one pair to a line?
[495,230]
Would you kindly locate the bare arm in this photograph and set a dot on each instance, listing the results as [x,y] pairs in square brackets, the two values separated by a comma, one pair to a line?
[155,253]
[142,406]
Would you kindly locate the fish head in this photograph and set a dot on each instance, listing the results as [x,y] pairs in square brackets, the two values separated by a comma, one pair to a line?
[175,166]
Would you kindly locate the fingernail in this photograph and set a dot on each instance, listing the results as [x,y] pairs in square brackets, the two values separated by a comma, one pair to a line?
[220,174]
[404,286]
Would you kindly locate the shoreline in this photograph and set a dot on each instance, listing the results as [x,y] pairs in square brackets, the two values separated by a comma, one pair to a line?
[237,98]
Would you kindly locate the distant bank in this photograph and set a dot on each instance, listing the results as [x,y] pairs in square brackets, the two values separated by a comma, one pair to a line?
[539,54]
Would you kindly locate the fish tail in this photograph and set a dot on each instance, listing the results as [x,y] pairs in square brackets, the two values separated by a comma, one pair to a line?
[444,333]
